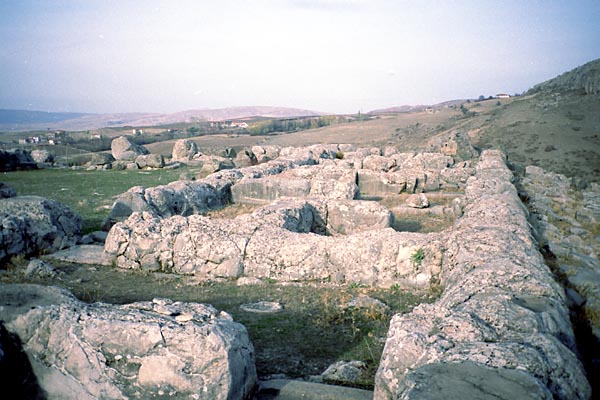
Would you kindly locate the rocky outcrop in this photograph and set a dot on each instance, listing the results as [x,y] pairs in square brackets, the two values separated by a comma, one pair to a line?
[566,222]
[501,328]
[184,150]
[31,224]
[139,350]
[123,149]
[308,240]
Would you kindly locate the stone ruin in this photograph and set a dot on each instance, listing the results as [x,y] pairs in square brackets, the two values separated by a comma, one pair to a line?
[500,328]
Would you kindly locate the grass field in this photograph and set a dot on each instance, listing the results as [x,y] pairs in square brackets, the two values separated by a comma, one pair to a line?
[314,330]
[89,193]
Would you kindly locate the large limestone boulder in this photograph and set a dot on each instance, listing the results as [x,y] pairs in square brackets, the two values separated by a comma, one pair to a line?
[265,190]
[123,149]
[265,153]
[31,224]
[184,150]
[42,156]
[245,158]
[176,198]
[101,159]
[139,350]
[150,161]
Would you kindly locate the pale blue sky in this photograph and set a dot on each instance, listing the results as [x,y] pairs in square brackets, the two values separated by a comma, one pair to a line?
[331,55]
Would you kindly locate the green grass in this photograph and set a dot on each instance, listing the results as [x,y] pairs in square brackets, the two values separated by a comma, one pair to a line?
[89,193]
[313,331]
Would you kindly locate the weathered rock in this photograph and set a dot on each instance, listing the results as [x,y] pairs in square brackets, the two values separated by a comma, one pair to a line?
[137,350]
[245,158]
[372,183]
[101,159]
[344,372]
[564,218]
[265,153]
[417,200]
[501,309]
[349,217]
[6,191]
[267,189]
[262,307]
[365,302]
[379,163]
[42,156]
[469,380]
[150,161]
[39,268]
[186,197]
[84,254]
[31,224]
[176,198]
[184,150]
[455,144]
[292,389]
[282,242]
[123,149]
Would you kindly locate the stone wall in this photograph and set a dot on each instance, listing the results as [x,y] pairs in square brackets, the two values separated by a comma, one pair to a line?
[501,328]
[290,240]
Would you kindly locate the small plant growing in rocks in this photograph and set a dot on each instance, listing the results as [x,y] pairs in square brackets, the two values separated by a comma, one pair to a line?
[417,257]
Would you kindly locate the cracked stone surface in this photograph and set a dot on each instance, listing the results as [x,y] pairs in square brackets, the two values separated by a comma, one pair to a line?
[501,328]
[138,350]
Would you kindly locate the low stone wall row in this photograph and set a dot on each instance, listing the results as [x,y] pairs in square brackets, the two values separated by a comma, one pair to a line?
[501,328]
[289,240]
[295,173]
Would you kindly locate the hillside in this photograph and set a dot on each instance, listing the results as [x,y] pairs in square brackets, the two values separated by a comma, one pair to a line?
[23,120]
[556,126]
[584,79]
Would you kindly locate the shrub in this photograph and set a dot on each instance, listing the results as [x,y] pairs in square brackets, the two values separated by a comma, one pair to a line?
[417,257]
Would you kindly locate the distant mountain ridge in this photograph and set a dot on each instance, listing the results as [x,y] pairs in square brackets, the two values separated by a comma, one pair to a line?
[24,120]
[418,108]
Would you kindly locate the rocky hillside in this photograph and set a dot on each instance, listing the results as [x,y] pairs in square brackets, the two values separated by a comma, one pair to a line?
[555,125]
[585,79]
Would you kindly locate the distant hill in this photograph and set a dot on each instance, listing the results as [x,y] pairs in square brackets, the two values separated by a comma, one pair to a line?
[418,108]
[17,117]
[23,120]
[585,79]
